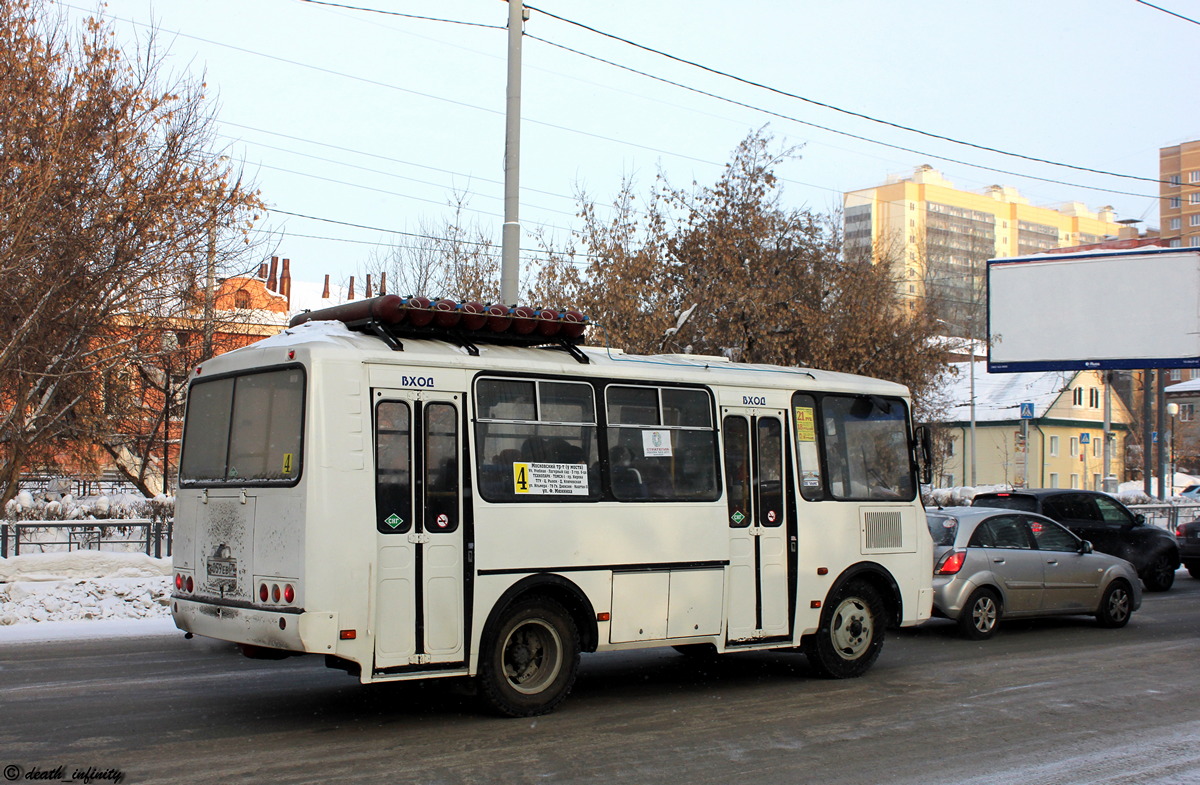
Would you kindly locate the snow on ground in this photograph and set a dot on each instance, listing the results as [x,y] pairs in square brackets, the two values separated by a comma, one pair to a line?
[80,588]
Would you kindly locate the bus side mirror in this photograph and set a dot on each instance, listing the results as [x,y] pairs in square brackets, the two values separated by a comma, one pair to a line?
[923,444]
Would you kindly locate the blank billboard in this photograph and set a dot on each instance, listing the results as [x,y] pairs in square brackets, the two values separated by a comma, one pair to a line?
[1103,309]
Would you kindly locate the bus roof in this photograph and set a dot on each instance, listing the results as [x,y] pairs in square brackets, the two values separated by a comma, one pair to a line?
[325,340]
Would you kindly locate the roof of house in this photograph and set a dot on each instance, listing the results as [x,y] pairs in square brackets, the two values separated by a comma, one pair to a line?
[998,396]
[1191,387]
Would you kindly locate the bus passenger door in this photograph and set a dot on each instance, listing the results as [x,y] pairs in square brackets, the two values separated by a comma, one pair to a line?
[758,550]
[419,606]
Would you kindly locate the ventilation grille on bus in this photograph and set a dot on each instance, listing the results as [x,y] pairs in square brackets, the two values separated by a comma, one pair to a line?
[882,530]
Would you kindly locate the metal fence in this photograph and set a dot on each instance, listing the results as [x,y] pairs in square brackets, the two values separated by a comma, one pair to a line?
[151,536]
[1167,516]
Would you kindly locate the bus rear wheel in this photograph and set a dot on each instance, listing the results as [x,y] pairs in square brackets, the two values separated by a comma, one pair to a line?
[529,660]
[850,636]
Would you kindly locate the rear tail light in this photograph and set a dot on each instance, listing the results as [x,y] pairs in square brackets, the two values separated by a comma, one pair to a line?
[190,585]
[289,594]
[275,593]
[951,563]
[178,581]
[263,592]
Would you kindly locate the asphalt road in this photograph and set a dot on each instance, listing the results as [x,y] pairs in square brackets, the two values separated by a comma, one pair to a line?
[1047,702]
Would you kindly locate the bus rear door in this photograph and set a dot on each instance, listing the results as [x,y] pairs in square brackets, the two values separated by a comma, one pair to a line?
[419,609]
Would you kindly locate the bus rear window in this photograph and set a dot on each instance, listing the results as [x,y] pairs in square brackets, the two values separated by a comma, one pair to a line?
[244,429]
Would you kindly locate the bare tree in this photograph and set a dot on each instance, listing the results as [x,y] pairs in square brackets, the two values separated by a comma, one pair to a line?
[109,193]
[453,259]
[728,269]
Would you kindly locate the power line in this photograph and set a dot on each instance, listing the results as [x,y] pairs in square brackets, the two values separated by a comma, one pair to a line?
[849,112]
[836,131]
[1165,11]
[407,16]
[417,235]
[628,143]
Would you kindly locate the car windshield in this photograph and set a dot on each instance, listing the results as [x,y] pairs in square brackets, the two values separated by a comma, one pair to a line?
[942,528]
[1006,501]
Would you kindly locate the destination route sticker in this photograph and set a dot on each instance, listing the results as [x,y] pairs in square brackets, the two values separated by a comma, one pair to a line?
[551,479]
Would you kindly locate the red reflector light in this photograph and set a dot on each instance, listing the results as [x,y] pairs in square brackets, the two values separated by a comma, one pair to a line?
[348,635]
[951,563]
[289,594]
[815,604]
[604,616]
[263,592]
[190,585]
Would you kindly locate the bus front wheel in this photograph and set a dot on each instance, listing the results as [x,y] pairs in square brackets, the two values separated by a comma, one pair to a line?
[529,660]
[851,632]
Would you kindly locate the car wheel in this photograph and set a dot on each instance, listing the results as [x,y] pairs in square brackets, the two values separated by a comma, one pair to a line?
[1193,568]
[1159,575]
[1116,606]
[851,632]
[980,615]
[528,662]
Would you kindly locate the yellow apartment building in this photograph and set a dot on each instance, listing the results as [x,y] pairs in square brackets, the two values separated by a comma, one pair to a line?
[1179,209]
[938,238]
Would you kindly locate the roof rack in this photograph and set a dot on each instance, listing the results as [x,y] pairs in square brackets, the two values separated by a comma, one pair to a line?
[467,324]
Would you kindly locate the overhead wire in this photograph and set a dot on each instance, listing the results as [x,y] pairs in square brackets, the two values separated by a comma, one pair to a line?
[834,108]
[1168,11]
[617,141]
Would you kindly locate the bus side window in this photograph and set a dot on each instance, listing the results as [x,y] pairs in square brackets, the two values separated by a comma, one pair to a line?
[441,468]
[662,445]
[530,432]
[737,470]
[393,479]
[808,463]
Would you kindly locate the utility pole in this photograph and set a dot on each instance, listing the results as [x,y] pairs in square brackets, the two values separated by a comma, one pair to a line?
[510,239]
[1106,484]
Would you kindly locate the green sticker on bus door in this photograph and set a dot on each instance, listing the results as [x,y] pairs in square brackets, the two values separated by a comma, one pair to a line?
[394,520]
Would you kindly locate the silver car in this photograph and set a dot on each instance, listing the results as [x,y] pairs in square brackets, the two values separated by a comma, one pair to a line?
[991,563]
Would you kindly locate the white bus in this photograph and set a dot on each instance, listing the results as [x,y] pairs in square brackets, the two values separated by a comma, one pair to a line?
[414,501]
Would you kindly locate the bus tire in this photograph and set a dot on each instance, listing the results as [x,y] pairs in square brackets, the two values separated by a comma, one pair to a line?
[528,662]
[850,636]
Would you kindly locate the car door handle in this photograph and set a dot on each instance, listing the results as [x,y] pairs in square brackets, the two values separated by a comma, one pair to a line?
[998,560]
[1052,561]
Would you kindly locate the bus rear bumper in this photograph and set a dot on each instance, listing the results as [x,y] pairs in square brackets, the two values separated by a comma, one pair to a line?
[312,632]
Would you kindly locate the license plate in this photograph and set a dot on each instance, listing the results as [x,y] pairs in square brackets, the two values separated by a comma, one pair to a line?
[222,568]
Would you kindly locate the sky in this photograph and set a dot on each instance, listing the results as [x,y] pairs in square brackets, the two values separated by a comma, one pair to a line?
[360,126]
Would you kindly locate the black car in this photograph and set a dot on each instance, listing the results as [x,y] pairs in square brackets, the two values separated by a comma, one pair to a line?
[1187,535]
[1103,521]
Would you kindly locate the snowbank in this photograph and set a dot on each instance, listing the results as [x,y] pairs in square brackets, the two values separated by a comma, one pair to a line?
[81,564]
[82,586]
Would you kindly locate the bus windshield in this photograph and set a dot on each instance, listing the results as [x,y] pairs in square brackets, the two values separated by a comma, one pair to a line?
[244,429]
